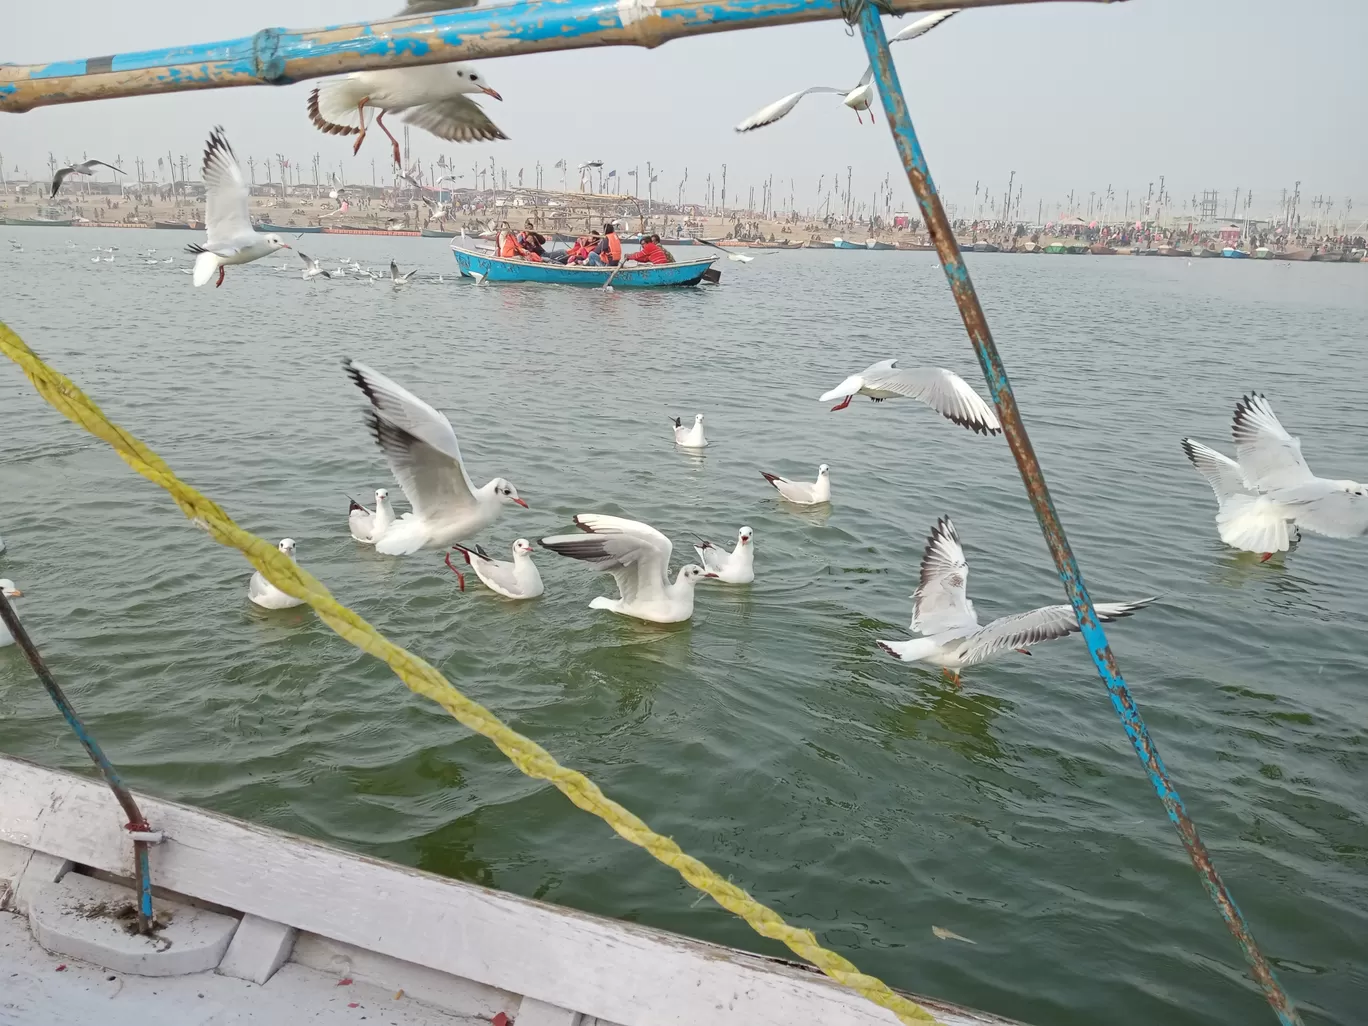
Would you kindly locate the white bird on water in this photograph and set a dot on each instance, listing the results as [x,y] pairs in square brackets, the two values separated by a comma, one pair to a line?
[265,594]
[1271,461]
[367,526]
[734,567]
[801,492]
[433,97]
[951,635]
[690,437]
[516,580]
[638,557]
[1245,519]
[86,167]
[858,98]
[312,268]
[944,391]
[8,589]
[421,448]
[397,279]
[230,238]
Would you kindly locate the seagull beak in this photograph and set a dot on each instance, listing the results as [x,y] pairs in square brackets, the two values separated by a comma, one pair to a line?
[16,593]
[287,245]
[521,503]
[714,576]
[490,92]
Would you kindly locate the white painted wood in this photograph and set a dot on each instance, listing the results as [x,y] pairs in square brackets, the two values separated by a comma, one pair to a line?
[43,870]
[625,973]
[258,949]
[13,861]
[539,1013]
[73,917]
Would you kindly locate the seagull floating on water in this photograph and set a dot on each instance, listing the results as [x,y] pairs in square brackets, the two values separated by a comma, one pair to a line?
[638,557]
[690,437]
[86,167]
[859,97]
[801,492]
[421,448]
[951,635]
[229,236]
[516,580]
[433,97]
[10,592]
[944,391]
[367,526]
[312,268]
[265,594]
[734,567]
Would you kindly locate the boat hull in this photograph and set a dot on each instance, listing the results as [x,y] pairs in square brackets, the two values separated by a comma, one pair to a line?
[305,229]
[186,226]
[640,276]
[844,244]
[34,222]
[430,233]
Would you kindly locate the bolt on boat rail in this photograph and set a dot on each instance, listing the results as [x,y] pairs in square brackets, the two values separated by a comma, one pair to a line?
[279,57]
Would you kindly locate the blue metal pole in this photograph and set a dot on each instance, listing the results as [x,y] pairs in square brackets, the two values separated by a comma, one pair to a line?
[136,823]
[919,176]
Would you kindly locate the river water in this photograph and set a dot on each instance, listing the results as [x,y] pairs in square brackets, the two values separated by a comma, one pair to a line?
[862,798]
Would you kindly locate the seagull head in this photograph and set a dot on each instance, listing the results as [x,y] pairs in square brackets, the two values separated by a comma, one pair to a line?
[693,573]
[744,536]
[287,546]
[8,589]
[506,492]
[276,242]
[698,418]
[522,547]
[468,80]
[823,470]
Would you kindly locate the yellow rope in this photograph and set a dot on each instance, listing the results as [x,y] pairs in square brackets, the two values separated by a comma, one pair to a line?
[524,753]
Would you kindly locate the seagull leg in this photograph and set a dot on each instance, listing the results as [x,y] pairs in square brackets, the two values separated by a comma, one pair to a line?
[858,118]
[361,113]
[1265,557]
[951,677]
[220,277]
[398,158]
[459,576]
[842,404]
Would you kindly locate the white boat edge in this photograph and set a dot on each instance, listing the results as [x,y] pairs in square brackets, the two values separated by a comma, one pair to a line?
[249,900]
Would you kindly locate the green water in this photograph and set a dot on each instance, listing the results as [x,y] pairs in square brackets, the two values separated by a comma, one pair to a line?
[860,797]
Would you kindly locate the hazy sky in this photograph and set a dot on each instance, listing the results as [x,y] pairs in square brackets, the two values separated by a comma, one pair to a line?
[1214,94]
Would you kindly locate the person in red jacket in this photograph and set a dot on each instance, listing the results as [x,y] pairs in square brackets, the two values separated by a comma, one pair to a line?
[651,252]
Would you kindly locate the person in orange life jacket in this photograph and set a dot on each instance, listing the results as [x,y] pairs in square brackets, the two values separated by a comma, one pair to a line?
[510,250]
[651,252]
[532,241]
[609,251]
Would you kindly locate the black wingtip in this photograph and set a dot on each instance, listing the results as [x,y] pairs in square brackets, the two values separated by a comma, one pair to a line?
[355,506]
[773,479]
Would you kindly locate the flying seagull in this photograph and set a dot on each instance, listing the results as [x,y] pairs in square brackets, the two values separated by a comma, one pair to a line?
[85,167]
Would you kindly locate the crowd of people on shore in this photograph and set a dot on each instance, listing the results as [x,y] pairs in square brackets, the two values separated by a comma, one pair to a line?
[597,249]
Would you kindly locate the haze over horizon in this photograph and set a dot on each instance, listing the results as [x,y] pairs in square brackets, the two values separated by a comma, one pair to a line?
[1070,96]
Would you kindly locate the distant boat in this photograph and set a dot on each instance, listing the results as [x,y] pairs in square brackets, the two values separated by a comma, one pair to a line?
[432,233]
[1102,249]
[1327,256]
[308,229]
[821,245]
[183,226]
[1295,253]
[986,247]
[488,267]
[1263,253]
[843,244]
[918,247]
[686,241]
[35,222]
[875,244]
[1231,253]
[1203,251]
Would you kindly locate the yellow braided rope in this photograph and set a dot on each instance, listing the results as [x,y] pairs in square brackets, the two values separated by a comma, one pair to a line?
[525,754]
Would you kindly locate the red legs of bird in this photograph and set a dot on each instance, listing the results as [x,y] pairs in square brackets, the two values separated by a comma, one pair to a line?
[220,277]
[459,576]
[1265,557]
[951,677]
[361,113]
[842,404]
[398,158]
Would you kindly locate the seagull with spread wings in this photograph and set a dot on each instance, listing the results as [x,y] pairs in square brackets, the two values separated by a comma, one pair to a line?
[230,238]
[85,167]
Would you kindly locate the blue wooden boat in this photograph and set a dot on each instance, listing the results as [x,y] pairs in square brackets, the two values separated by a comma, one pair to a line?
[638,276]
[297,229]
[845,244]
[1234,254]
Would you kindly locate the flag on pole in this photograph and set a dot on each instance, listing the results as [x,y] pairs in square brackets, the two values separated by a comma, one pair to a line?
[612,174]
[560,164]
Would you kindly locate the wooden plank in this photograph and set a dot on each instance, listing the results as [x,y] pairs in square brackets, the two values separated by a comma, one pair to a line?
[259,948]
[13,861]
[621,972]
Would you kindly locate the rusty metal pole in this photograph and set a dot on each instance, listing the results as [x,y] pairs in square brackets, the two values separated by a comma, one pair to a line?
[919,176]
[137,825]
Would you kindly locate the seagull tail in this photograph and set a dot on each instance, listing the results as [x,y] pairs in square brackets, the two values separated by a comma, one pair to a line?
[332,107]
[206,265]
[773,479]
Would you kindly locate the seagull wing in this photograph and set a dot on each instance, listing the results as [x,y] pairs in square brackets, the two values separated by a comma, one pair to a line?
[1325,507]
[458,119]
[712,557]
[309,261]
[1221,472]
[923,25]
[418,442]
[638,556]
[59,178]
[1043,624]
[225,197]
[498,574]
[776,110]
[941,603]
[1270,458]
[944,391]
[100,163]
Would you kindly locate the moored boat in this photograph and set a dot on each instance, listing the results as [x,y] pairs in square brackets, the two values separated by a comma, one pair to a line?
[35,222]
[489,267]
[1295,253]
[1231,253]
[1102,249]
[433,233]
[190,226]
[293,229]
[845,244]
[1263,253]
[986,247]
[876,244]
[821,245]
[1328,256]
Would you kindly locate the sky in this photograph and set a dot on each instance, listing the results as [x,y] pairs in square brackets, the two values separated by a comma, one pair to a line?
[1081,97]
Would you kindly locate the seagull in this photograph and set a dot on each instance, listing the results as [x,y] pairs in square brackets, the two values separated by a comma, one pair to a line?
[10,592]
[398,279]
[230,238]
[1271,461]
[433,97]
[1245,519]
[367,527]
[740,258]
[690,437]
[94,260]
[312,268]
[109,259]
[516,580]
[86,167]
[858,98]
[734,567]
[946,392]
[265,594]
[951,635]
[423,454]
[638,557]
[801,492]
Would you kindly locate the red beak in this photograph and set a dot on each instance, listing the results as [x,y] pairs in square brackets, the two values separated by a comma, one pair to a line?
[522,504]
[490,92]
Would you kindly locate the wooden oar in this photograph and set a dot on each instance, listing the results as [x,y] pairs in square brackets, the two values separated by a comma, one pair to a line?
[608,285]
